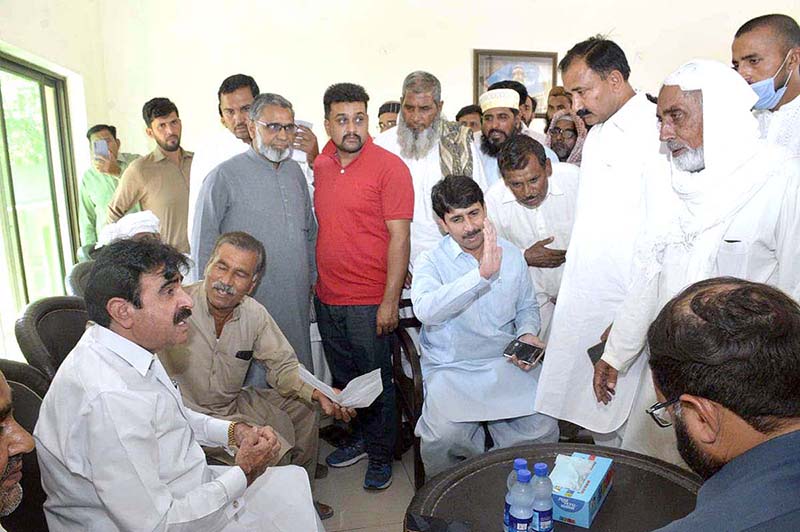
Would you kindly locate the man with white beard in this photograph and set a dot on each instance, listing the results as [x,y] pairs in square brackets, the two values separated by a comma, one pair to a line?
[264,193]
[731,208]
[14,442]
[432,148]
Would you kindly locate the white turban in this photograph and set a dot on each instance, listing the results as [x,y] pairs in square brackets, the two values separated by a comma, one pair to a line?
[499,98]
[128,226]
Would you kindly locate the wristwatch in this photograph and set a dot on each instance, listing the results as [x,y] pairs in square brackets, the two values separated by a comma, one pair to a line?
[231,435]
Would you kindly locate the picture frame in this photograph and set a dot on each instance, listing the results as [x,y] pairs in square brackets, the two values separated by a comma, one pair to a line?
[536,70]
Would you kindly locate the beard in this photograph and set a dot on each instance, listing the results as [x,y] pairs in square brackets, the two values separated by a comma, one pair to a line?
[692,160]
[273,155]
[417,144]
[699,462]
[561,149]
[492,148]
[346,149]
[10,499]
[169,144]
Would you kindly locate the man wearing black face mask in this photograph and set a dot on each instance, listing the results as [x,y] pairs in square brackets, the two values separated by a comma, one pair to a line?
[766,52]
[725,356]
[117,447]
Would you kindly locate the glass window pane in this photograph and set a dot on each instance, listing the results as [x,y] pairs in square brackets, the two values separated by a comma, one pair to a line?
[32,185]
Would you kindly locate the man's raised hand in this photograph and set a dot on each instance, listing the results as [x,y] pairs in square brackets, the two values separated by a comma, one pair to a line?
[492,255]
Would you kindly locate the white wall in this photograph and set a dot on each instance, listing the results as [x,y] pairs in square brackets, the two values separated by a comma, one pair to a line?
[183,49]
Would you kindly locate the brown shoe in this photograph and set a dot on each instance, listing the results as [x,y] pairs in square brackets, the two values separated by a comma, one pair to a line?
[321,472]
[323,510]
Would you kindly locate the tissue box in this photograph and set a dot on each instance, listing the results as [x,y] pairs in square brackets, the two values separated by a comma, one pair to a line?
[579,507]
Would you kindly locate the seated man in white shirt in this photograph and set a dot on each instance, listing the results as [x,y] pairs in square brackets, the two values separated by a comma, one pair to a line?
[473,296]
[533,207]
[117,448]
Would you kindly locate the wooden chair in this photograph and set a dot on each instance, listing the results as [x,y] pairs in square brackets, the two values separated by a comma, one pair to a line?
[408,390]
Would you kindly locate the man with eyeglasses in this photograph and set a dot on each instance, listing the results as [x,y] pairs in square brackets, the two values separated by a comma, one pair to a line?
[263,192]
[566,136]
[725,359]
[364,200]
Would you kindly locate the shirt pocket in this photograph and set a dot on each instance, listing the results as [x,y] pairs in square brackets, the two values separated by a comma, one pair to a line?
[499,306]
[228,373]
[732,258]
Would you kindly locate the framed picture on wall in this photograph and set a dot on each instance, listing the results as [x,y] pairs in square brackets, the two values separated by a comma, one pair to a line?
[535,70]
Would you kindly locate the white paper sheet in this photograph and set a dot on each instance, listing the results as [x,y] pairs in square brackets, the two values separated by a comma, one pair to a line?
[359,392]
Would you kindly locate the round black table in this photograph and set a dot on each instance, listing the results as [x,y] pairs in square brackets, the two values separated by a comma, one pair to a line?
[647,493]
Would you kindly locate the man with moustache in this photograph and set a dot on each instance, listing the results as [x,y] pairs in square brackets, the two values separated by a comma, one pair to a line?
[766,52]
[264,193]
[117,447]
[473,296]
[227,331]
[14,442]
[364,200]
[159,181]
[620,153]
[432,148]
[533,207]
[558,99]
[470,116]
[722,212]
[725,357]
[566,136]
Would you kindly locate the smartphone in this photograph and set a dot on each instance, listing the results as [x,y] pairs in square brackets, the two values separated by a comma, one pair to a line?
[101,148]
[596,351]
[525,353]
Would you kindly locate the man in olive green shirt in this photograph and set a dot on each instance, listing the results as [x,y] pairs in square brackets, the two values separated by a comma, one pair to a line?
[99,184]
[159,181]
[227,329]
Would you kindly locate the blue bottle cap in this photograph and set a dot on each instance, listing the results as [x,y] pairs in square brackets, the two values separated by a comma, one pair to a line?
[520,463]
[540,469]
[523,475]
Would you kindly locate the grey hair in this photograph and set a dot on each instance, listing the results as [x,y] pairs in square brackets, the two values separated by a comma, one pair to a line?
[420,82]
[267,98]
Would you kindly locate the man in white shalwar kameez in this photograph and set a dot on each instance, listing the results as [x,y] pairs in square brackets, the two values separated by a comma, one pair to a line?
[733,209]
[432,148]
[766,52]
[621,151]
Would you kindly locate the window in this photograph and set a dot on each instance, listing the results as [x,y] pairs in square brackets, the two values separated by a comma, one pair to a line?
[37,188]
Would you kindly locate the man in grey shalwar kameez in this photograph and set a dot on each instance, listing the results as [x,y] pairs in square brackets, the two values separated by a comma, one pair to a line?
[264,193]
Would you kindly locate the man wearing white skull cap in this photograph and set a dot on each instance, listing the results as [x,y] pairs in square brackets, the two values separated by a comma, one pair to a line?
[730,208]
[129,226]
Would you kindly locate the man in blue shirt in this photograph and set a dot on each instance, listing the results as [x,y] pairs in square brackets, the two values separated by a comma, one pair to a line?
[473,296]
[725,355]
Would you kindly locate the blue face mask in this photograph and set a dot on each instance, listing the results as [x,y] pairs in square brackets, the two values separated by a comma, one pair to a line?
[768,97]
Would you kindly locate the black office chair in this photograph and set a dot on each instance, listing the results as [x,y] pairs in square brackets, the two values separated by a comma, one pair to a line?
[49,329]
[408,390]
[78,277]
[28,387]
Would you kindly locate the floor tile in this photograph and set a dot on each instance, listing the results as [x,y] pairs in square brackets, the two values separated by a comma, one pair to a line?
[358,509]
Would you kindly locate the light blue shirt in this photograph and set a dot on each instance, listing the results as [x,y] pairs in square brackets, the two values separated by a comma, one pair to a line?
[467,323]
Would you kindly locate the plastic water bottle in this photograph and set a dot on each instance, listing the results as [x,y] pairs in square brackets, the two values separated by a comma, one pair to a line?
[542,500]
[519,464]
[520,500]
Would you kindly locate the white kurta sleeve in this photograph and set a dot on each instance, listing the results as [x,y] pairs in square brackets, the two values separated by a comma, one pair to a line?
[436,302]
[788,234]
[123,452]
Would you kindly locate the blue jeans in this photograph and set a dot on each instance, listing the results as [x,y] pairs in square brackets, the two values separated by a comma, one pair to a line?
[352,348]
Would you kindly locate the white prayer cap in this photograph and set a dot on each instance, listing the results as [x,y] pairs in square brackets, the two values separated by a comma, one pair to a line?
[730,131]
[128,226]
[499,98]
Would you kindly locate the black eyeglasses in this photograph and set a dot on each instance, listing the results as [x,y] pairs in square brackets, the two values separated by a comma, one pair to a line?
[660,414]
[274,127]
[566,133]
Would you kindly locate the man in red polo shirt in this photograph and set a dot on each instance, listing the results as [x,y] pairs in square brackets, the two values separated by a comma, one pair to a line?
[364,200]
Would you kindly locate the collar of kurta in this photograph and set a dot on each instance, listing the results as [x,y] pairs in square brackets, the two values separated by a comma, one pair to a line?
[452,249]
[140,358]
[158,155]
[552,190]
[636,109]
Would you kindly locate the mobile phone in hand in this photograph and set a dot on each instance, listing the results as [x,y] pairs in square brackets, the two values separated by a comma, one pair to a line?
[101,148]
[596,351]
[525,353]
